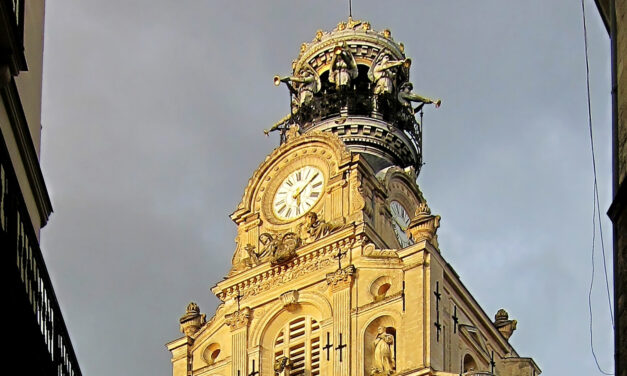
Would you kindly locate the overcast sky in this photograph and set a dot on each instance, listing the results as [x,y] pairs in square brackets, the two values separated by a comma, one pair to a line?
[153,114]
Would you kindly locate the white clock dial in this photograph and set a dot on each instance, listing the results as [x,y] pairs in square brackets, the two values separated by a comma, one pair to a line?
[298,193]
[400,222]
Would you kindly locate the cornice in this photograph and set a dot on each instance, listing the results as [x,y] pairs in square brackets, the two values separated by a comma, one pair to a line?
[312,257]
[26,147]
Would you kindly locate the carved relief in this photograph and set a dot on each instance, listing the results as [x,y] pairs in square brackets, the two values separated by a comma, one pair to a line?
[341,278]
[371,251]
[278,249]
[314,228]
[238,319]
[290,299]
[424,225]
[284,273]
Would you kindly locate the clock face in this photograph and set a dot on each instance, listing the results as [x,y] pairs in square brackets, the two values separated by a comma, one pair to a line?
[298,193]
[400,222]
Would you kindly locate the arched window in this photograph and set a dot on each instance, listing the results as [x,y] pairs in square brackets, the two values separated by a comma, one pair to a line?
[299,340]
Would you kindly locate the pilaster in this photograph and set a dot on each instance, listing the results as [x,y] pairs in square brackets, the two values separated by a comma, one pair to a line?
[340,283]
[238,322]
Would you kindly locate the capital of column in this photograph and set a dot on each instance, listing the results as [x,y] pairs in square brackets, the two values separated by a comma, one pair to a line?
[238,319]
[341,278]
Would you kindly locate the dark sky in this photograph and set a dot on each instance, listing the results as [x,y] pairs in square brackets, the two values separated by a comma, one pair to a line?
[153,114]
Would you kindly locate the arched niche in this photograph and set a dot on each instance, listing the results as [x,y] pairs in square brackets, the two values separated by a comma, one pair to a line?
[469,364]
[380,346]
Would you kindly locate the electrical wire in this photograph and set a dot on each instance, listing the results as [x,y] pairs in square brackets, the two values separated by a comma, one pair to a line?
[596,212]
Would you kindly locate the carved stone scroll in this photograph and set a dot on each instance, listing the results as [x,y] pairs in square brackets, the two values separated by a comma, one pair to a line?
[290,299]
[341,278]
[238,319]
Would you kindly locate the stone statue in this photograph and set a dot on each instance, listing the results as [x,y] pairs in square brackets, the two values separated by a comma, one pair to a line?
[279,249]
[304,85]
[406,96]
[343,67]
[314,228]
[282,366]
[383,72]
[384,358]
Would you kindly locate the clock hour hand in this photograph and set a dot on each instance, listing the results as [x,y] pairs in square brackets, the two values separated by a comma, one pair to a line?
[300,190]
[399,224]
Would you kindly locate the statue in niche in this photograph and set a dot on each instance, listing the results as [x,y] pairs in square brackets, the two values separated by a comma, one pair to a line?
[343,67]
[282,366]
[303,86]
[314,228]
[278,249]
[384,359]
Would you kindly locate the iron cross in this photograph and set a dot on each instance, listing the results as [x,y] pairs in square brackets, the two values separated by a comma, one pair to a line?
[492,364]
[339,256]
[455,319]
[253,373]
[328,346]
[238,297]
[340,347]
[403,296]
[437,324]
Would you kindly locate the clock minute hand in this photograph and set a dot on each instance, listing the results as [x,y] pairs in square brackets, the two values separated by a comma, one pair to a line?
[302,188]
[399,224]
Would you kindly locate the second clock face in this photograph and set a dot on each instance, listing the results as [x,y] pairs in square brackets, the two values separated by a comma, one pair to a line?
[298,193]
[400,222]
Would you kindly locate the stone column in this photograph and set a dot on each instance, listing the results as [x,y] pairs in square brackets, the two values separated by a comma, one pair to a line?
[238,321]
[340,283]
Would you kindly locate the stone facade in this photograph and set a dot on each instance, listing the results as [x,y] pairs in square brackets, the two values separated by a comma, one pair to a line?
[353,285]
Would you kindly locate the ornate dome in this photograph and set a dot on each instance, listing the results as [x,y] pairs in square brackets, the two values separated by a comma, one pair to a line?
[354,82]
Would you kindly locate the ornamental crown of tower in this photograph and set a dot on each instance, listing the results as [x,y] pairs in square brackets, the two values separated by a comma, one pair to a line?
[354,82]
[337,268]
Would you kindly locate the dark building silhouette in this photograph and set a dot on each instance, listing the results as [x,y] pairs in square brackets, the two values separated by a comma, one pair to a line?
[42,345]
[613,14]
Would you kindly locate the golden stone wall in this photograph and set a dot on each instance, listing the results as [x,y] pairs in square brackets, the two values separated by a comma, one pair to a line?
[291,296]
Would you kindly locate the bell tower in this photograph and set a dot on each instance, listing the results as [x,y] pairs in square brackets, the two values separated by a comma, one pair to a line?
[336,268]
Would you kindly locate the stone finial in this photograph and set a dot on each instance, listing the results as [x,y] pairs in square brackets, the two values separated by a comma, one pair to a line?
[192,320]
[424,225]
[503,324]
